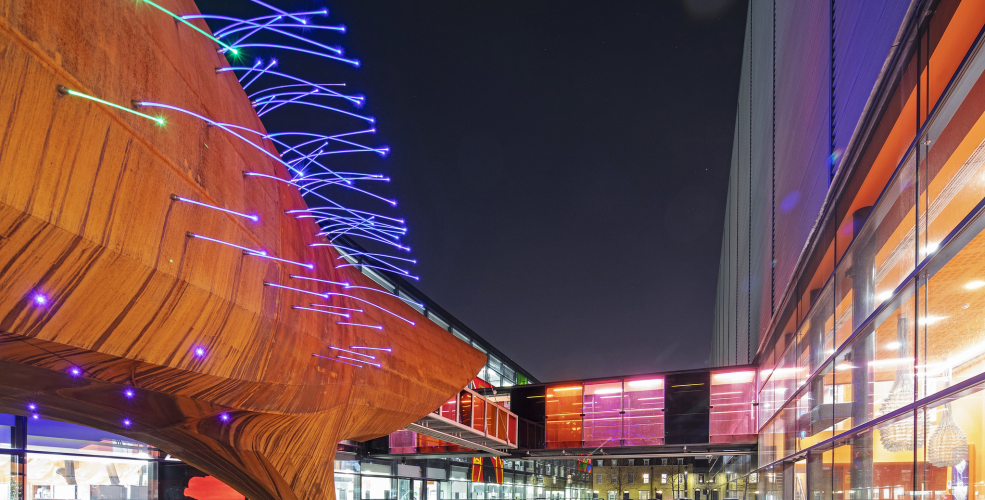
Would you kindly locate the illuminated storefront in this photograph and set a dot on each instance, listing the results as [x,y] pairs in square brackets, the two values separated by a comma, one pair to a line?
[872,366]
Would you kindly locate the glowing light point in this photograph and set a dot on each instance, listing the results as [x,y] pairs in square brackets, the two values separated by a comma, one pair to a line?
[128,393]
[35,416]
[199,352]
[224,417]
[32,406]
[975,285]
[40,299]
[126,422]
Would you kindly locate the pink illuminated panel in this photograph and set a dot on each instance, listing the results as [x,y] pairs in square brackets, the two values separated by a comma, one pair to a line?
[602,406]
[643,403]
[403,441]
[732,412]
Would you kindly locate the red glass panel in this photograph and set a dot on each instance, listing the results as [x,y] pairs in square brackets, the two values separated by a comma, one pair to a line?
[511,437]
[479,419]
[465,408]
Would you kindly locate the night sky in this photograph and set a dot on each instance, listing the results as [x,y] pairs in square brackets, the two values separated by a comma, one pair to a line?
[562,166]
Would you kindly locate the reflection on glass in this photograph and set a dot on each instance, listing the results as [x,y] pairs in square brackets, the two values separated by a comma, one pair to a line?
[602,406]
[732,412]
[952,320]
[563,416]
[377,488]
[643,422]
[66,478]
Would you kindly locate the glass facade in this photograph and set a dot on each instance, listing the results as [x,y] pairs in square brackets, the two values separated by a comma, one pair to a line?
[870,383]
[45,459]
[631,411]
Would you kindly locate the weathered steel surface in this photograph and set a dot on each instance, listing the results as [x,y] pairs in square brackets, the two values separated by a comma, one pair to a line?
[86,218]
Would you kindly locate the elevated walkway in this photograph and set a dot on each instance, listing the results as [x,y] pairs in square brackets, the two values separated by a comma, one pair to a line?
[472,421]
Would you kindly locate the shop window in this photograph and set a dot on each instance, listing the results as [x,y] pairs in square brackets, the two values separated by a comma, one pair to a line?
[644,494]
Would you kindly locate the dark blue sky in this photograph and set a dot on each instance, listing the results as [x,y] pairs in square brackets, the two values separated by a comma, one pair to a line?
[562,166]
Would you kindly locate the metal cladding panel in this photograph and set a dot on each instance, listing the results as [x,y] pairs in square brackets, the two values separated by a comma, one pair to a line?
[802,127]
[864,36]
[761,136]
[728,281]
[743,206]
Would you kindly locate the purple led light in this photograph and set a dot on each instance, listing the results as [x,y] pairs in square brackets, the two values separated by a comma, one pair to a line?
[344,315]
[336,307]
[128,393]
[278,259]
[35,416]
[372,304]
[40,299]
[299,290]
[375,327]
[294,276]
[360,361]
[199,352]
[387,349]
[224,417]
[32,406]
[337,360]
[228,244]
[253,218]
[75,371]
[126,422]
[352,352]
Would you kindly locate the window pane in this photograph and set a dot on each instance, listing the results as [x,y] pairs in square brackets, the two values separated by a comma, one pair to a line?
[61,477]
[952,320]
[602,409]
[880,256]
[874,375]
[731,419]
[643,422]
[49,435]
[563,416]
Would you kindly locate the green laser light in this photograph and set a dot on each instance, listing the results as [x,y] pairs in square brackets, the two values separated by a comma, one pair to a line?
[67,91]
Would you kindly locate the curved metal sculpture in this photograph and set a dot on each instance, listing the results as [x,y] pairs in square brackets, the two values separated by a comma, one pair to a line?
[161,275]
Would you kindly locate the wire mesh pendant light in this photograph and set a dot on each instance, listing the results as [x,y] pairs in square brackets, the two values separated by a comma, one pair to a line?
[948,445]
[898,435]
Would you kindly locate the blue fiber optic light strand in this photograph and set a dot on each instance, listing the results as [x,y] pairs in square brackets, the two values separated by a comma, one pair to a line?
[312,159]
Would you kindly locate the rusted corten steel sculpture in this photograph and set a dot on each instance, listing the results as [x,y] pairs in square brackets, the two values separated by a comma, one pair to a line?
[221,366]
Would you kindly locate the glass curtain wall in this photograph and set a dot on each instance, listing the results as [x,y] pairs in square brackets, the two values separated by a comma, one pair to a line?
[875,393]
[630,411]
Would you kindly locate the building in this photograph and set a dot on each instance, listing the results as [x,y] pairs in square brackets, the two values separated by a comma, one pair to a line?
[851,270]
